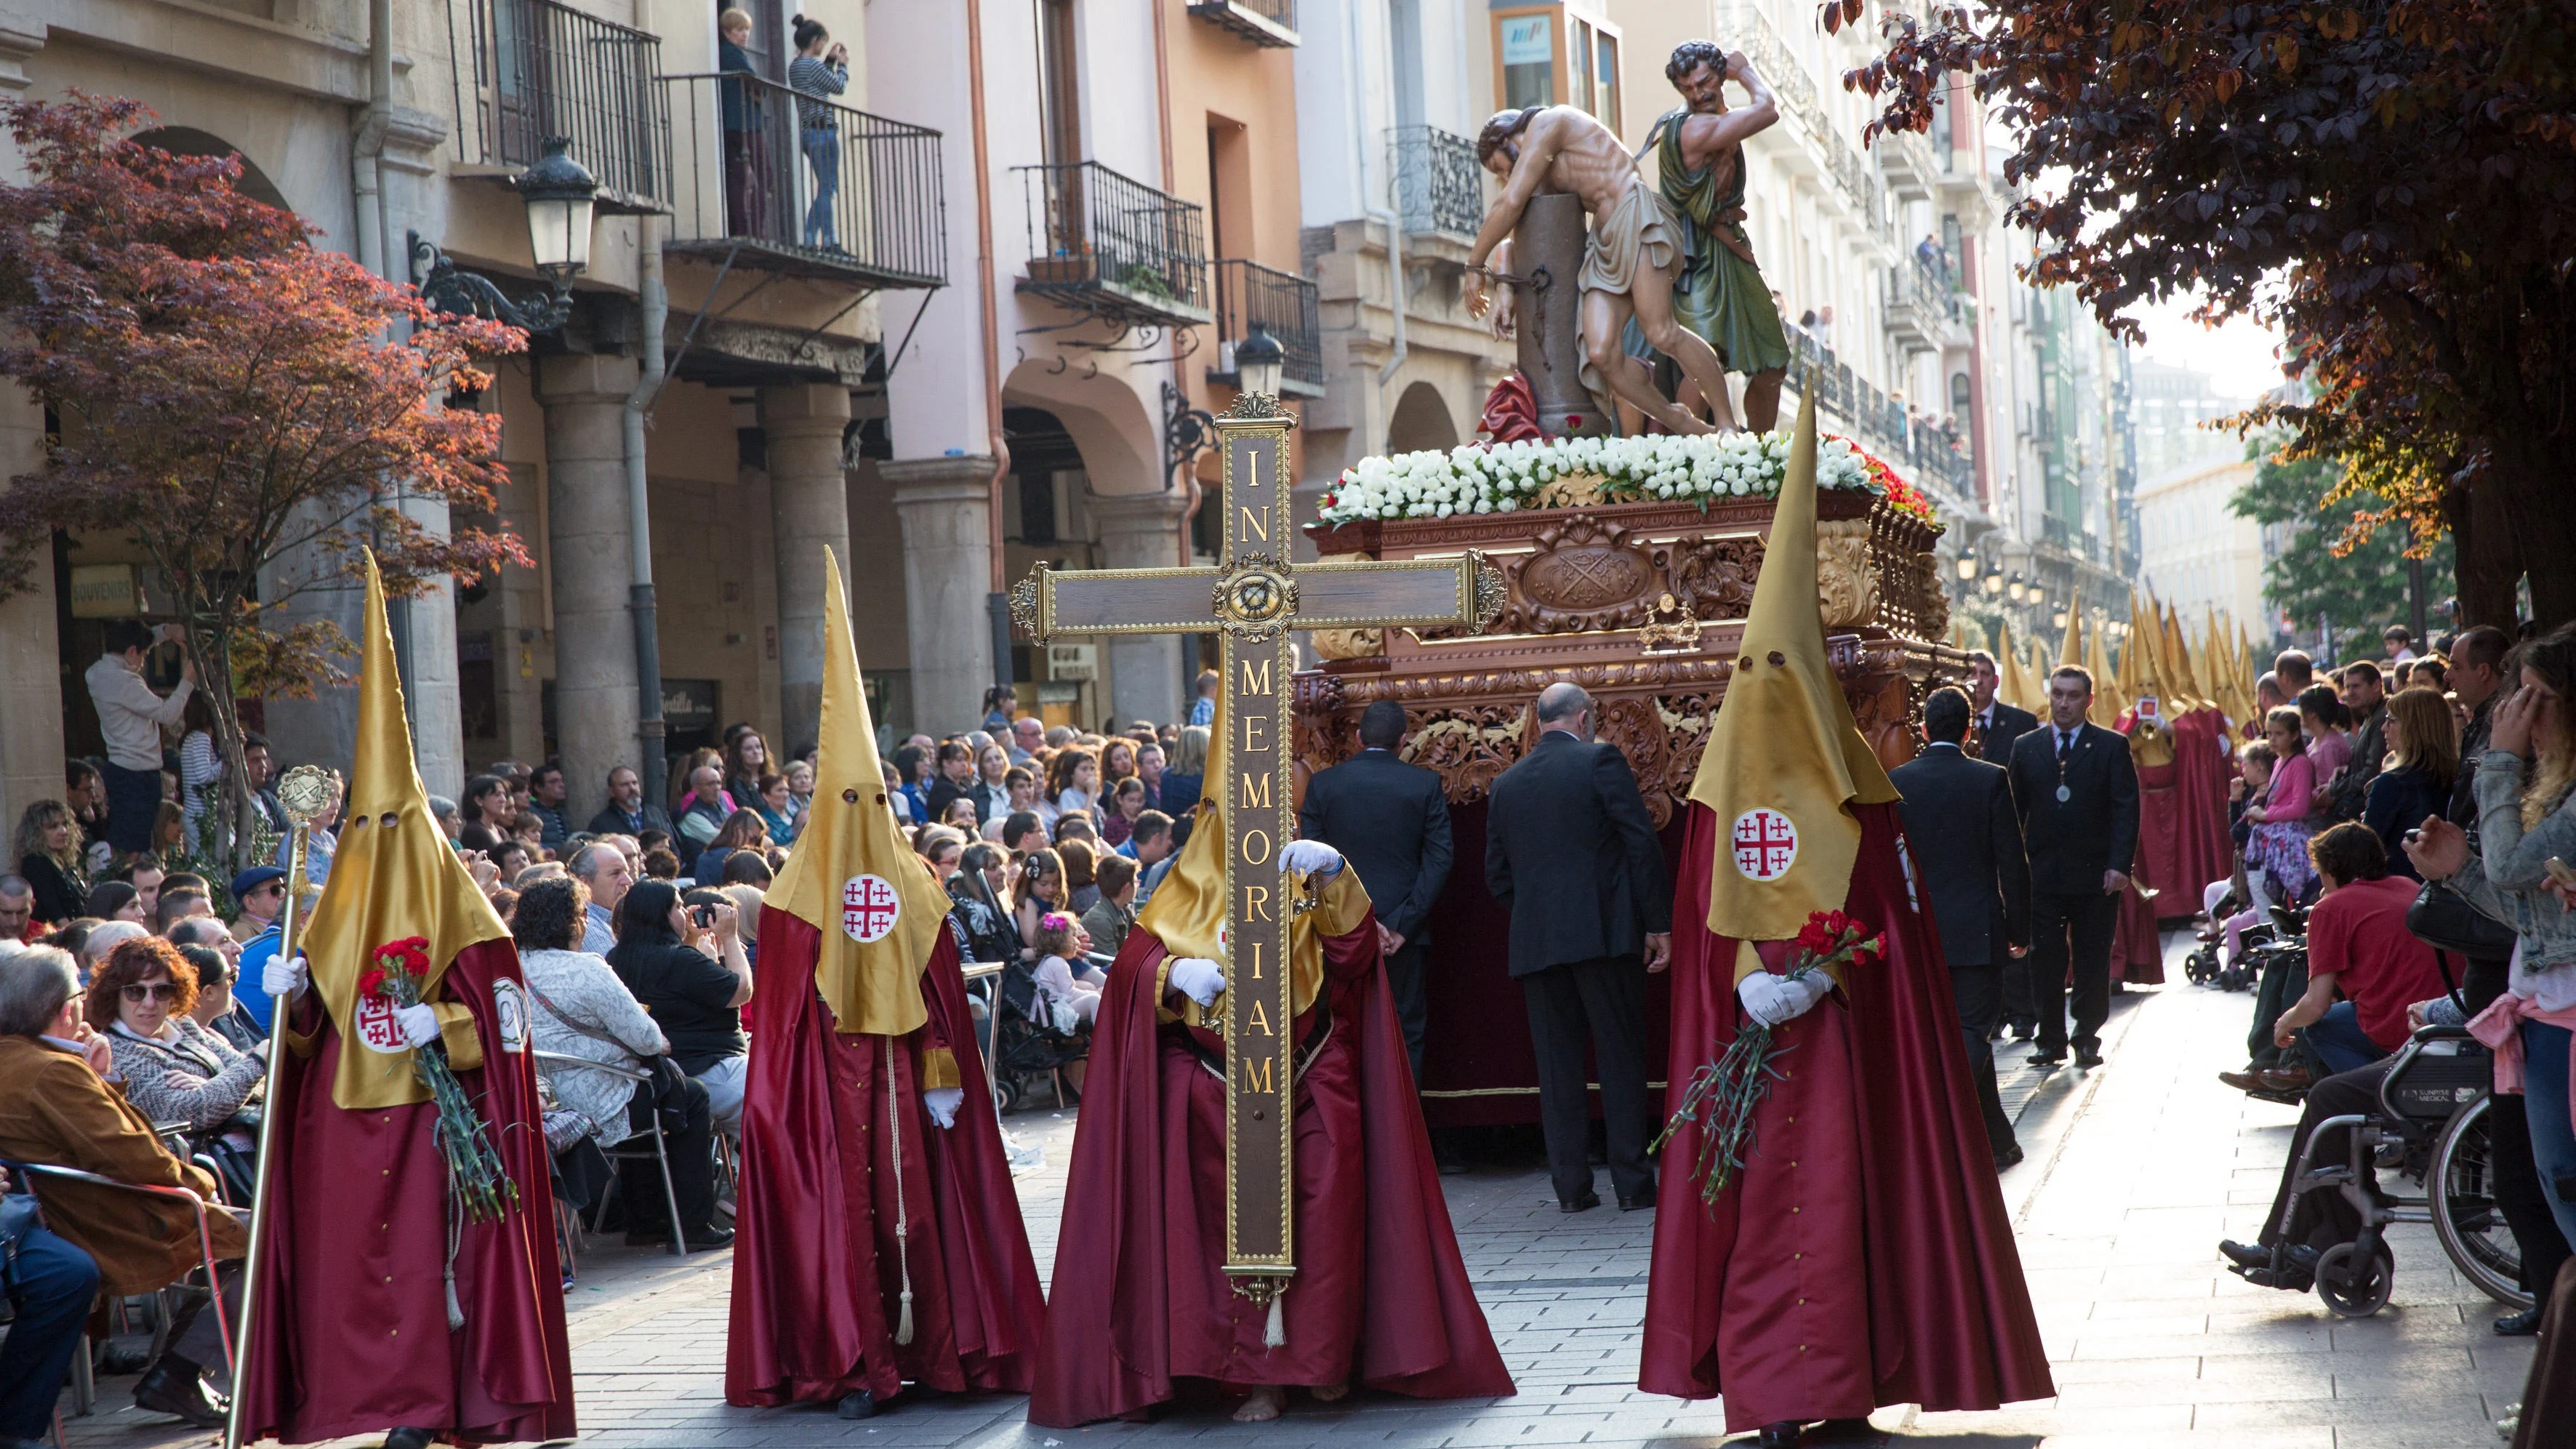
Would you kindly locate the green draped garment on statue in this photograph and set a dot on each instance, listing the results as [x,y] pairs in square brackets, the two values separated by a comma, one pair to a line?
[1720,294]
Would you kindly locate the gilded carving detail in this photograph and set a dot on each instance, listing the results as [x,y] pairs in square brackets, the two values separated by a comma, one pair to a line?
[1846,584]
[1349,643]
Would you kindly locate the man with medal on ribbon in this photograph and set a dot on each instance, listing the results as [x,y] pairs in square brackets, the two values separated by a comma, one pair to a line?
[2076,788]
[404,1275]
[1830,1237]
[879,1240]
[1142,1309]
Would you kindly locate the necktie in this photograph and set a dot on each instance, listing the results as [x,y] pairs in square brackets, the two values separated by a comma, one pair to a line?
[2065,742]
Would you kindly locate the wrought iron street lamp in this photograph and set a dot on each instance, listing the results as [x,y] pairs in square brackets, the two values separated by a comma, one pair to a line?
[560,197]
[1258,361]
[1967,568]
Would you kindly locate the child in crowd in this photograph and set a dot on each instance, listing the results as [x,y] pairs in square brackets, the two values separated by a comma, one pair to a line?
[1070,998]
[2254,766]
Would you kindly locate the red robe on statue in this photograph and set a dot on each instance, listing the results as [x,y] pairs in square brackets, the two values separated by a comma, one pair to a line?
[354,1335]
[838,1155]
[1862,1258]
[1140,1300]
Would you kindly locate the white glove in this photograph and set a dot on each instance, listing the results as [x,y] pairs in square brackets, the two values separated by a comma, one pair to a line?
[942,1104]
[1198,978]
[282,978]
[1311,857]
[1772,1000]
[418,1024]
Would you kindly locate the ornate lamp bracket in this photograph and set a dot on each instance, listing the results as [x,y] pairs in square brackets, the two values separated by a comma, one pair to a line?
[451,289]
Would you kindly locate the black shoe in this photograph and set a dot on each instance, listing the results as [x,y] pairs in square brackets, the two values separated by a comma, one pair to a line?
[2042,1061]
[858,1404]
[404,1438]
[2519,1325]
[125,1358]
[1783,1435]
[2245,1255]
[1843,1430]
[1585,1203]
[2088,1060]
[1644,1202]
[171,1386]
[710,1240]
[2009,1158]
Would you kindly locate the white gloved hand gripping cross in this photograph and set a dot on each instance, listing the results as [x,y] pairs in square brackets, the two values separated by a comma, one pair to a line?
[1197,978]
[1311,857]
[942,1104]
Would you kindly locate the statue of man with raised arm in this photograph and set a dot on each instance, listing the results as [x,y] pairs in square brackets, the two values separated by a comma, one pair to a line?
[1699,168]
[1629,263]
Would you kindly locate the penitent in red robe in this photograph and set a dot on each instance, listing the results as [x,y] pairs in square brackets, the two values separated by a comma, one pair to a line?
[1140,1301]
[2203,764]
[353,1294]
[817,1270]
[1862,1258]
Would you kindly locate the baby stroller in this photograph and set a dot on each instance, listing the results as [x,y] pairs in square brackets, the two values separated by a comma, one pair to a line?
[1027,1047]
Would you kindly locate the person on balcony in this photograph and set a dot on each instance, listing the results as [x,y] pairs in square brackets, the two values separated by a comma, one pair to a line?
[746,158]
[820,71]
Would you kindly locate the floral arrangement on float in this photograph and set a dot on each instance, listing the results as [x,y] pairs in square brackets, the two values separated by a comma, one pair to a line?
[1507,477]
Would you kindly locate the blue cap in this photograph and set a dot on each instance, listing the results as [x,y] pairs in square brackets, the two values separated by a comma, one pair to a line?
[255,877]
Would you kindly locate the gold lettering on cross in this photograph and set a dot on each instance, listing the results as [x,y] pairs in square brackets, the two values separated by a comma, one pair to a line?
[1255,596]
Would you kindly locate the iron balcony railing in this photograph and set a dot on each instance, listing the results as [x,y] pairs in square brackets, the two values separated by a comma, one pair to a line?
[1438,185]
[537,69]
[1282,304]
[1919,448]
[1112,245]
[801,184]
[1263,22]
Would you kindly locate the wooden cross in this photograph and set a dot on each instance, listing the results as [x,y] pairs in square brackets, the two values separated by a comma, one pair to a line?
[1253,598]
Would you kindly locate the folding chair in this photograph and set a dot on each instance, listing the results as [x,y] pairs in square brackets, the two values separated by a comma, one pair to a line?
[84,1388]
[627,1149]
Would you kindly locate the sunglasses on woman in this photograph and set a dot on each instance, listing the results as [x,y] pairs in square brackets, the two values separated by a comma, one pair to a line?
[154,991]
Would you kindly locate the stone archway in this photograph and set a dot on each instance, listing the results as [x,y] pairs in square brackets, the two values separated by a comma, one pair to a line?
[1421,421]
[189,141]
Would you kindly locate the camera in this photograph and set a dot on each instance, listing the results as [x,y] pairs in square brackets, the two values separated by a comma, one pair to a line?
[703,915]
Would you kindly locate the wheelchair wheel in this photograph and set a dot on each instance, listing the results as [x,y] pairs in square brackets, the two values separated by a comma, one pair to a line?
[2473,1232]
[2358,1299]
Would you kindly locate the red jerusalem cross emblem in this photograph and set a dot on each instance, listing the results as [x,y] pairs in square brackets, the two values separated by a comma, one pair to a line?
[869,908]
[1765,843]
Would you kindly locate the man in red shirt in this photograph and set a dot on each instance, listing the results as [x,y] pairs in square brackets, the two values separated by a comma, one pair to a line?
[2358,947]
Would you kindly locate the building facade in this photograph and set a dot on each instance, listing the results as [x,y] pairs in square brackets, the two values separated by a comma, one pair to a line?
[2196,553]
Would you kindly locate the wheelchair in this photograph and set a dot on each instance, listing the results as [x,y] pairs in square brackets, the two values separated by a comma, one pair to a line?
[1027,1051]
[2432,1124]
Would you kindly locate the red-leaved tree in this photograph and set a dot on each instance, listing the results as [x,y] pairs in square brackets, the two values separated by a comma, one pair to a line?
[248,410]
[2390,182]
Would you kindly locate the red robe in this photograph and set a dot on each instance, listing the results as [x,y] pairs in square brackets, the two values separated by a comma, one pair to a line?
[2203,766]
[2137,953]
[1140,1298]
[817,1275]
[1863,1257]
[353,1332]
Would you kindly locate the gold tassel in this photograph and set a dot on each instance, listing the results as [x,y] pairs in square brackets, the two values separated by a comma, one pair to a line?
[903,1321]
[1276,1334]
[902,1209]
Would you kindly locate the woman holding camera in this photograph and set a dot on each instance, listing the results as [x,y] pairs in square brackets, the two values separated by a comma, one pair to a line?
[684,961]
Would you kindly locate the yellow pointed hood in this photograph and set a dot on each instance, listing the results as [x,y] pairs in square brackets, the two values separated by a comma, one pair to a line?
[393,876]
[2141,668]
[2014,671]
[1784,746]
[2070,650]
[2178,664]
[868,896]
[2106,685]
[1188,912]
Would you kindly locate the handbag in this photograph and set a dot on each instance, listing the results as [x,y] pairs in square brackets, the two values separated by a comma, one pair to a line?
[2445,921]
[19,1216]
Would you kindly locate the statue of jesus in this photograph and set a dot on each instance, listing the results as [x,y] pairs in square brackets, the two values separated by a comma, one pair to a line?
[1629,263]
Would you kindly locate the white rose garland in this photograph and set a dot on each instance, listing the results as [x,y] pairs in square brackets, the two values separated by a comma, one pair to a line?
[1501,478]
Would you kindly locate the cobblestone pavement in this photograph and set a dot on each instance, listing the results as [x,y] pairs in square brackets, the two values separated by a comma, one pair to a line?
[2134,1172]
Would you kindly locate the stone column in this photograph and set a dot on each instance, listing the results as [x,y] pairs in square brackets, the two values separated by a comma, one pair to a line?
[809,502]
[946,508]
[31,674]
[1142,531]
[588,550]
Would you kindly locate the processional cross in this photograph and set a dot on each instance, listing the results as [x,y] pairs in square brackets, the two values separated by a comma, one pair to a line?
[1253,598]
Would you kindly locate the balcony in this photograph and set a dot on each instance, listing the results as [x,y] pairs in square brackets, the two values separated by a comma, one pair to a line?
[1112,246]
[1263,22]
[1249,294]
[1439,188]
[1918,448]
[537,69]
[1923,314]
[803,187]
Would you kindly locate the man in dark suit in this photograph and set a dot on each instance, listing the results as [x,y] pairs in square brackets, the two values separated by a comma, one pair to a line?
[2077,794]
[1391,822]
[1966,846]
[1570,852]
[1998,724]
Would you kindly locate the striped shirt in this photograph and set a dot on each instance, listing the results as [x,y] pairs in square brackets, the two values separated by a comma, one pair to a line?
[811,76]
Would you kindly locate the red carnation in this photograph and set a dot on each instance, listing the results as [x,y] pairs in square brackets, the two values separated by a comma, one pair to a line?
[372,982]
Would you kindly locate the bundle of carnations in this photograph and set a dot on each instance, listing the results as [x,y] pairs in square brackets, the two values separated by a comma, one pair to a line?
[474,1171]
[1726,1091]
[1902,496]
